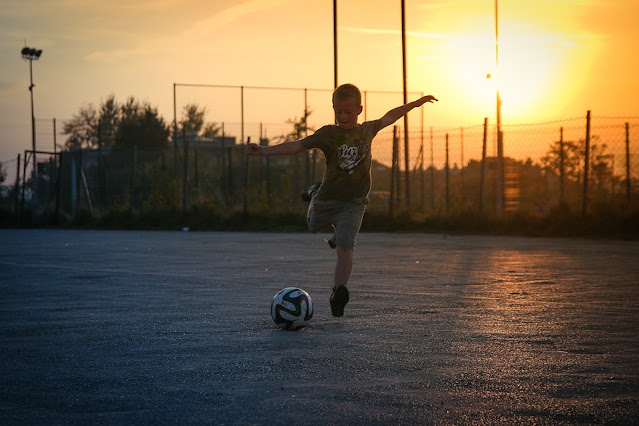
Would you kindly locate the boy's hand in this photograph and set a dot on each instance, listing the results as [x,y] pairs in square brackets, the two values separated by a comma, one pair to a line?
[426,99]
[253,150]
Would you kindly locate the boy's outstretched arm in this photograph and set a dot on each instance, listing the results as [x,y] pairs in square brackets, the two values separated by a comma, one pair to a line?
[396,113]
[284,148]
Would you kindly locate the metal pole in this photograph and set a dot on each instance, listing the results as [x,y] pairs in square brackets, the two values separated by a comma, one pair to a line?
[175,145]
[422,150]
[432,171]
[55,139]
[406,153]
[584,205]
[242,110]
[447,177]
[185,180]
[33,135]
[462,162]
[561,165]
[393,168]
[627,162]
[246,178]
[25,161]
[483,166]
[335,43]
[500,143]
[16,187]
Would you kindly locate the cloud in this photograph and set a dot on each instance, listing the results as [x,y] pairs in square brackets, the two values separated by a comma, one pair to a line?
[192,35]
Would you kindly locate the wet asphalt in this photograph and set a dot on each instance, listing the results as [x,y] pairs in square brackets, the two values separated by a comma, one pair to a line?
[128,327]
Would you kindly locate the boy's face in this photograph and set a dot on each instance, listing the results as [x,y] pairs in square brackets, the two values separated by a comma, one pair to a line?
[346,112]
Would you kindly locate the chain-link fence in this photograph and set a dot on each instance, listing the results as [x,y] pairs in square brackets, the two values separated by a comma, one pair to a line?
[588,166]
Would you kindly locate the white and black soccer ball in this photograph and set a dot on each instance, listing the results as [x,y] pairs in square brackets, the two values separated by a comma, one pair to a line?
[292,308]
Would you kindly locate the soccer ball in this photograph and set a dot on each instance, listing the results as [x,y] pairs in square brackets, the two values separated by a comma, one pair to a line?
[292,308]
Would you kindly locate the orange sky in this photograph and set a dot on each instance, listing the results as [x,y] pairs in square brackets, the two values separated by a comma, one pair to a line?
[558,58]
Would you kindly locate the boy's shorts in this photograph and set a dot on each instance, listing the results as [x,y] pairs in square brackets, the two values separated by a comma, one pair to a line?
[345,216]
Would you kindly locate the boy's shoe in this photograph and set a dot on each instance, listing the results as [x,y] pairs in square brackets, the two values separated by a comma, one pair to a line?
[338,300]
[307,195]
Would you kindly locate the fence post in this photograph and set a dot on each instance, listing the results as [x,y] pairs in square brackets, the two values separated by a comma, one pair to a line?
[185,181]
[246,177]
[561,165]
[55,138]
[482,179]
[584,206]
[16,189]
[447,177]
[432,172]
[58,188]
[628,192]
[196,178]
[393,171]
[134,158]
[25,161]
[463,195]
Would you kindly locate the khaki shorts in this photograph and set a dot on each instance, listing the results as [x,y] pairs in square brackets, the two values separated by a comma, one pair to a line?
[342,217]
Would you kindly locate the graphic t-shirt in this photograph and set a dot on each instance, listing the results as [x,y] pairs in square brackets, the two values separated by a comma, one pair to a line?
[348,160]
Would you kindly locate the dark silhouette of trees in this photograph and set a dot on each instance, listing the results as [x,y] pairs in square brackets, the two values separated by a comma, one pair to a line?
[140,125]
[193,123]
[120,127]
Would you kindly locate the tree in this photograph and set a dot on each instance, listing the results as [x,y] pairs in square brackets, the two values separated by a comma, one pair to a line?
[194,123]
[193,120]
[82,129]
[211,130]
[574,158]
[300,128]
[140,126]
[573,154]
[109,121]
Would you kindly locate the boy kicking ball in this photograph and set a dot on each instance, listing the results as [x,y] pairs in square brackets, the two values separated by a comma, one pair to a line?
[338,202]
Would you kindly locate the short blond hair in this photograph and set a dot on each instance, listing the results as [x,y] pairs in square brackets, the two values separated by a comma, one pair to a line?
[346,91]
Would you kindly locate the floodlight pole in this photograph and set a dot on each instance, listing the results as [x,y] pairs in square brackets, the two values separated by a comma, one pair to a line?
[32,54]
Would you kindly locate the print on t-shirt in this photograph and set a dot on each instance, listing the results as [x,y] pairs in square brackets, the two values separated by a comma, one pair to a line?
[349,157]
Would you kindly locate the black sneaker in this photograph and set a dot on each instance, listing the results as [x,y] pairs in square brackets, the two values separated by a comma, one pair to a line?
[338,300]
[307,195]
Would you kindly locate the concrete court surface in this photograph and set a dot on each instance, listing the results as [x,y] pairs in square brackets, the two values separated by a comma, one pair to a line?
[128,327]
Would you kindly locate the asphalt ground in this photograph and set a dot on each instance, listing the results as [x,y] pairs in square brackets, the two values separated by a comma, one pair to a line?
[111,327]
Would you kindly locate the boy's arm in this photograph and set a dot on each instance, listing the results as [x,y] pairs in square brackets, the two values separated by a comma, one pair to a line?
[284,148]
[396,113]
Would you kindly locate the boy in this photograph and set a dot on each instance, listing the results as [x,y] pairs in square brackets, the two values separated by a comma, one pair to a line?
[338,203]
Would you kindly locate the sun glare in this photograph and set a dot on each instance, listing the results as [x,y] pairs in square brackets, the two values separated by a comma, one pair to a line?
[530,66]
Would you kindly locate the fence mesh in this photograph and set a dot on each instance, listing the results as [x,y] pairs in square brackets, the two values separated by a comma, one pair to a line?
[450,170]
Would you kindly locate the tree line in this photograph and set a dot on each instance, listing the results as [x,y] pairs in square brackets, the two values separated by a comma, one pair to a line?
[121,126]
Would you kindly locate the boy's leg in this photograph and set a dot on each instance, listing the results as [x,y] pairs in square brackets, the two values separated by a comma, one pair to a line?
[344,265]
[348,225]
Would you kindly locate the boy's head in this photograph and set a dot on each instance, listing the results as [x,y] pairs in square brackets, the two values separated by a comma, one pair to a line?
[347,104]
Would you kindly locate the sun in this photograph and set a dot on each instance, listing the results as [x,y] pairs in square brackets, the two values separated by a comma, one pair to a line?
[530,64]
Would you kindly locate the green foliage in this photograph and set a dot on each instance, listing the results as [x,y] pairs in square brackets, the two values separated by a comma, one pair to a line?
[117,126]
[164,193]
[141,126]
[82,129]
[300,128]
[193,123]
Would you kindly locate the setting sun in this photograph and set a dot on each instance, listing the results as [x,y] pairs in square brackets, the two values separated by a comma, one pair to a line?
[535,71]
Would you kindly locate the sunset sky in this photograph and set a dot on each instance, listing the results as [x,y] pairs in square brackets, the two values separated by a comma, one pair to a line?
[558,58]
